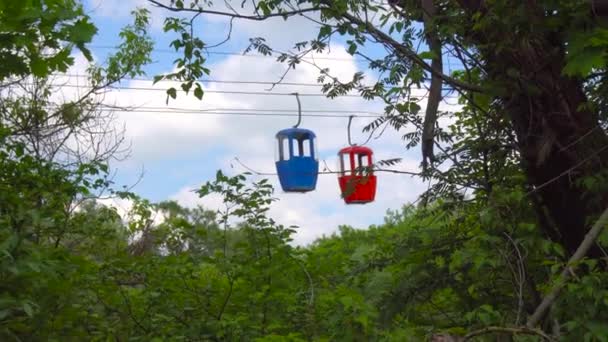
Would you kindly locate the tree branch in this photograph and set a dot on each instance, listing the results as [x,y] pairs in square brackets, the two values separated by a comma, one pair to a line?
[430,118]
[512,331]
[234,15]
[376,33]
[580,253]
[411,55]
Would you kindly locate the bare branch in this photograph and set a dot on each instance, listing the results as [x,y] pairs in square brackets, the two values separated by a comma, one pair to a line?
[508,330]
[228,36]
[520,278]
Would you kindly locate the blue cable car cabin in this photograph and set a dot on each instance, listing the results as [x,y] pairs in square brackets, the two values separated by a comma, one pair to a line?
[296,160]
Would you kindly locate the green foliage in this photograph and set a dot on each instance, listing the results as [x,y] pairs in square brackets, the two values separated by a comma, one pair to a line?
[133,53]
[190,66]
[38,36]
[587,52]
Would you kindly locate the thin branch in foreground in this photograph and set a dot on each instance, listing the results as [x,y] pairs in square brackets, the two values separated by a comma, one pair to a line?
[508,330]
[580,253]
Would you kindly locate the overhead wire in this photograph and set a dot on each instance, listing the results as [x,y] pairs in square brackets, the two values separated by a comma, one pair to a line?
[236,92]
[299,84]
[240,54]
[261,110]
[239,92]
[210,80]
[255,114]
[260,173]
[234,53]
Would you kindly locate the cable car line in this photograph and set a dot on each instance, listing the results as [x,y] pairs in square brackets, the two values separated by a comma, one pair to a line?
[240,54]
[265,93]
[254,114]
[261,110]
[234,53]
[261,173]
[238,92]
[208,91]
[275,83]
[207,81]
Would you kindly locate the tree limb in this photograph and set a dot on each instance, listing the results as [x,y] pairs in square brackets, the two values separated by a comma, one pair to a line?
[234,15]
[579,254]
[508,330]
[430,118]
[411,55]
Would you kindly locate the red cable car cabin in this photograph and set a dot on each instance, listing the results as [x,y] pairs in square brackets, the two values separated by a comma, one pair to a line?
[356,177]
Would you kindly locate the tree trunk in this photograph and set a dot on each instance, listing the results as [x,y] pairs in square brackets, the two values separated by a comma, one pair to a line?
[560,144]
[558,136]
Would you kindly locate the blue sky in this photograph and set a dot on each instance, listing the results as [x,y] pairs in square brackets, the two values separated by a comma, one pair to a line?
[178,152]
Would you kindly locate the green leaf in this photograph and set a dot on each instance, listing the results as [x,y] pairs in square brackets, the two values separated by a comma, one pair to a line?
[158,78]
[198,92]
[427,55]
[264,7]
[27,308]
[85,51]
[585,61]
[39,67]
[399,26]
[172,92]
[352,47]
[324,31]
[82,31]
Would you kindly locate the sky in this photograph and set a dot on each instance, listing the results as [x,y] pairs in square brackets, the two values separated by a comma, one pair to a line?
[174,154]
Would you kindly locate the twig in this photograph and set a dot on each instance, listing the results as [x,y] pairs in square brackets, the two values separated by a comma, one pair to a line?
[508,330]
[521,279]
[228,36]
[310,281]
[537,188]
